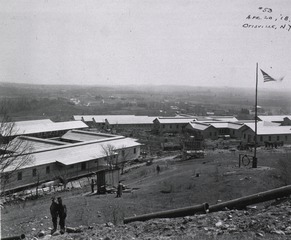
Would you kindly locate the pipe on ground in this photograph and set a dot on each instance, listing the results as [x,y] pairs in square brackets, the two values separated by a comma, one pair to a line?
[180,212]
[238,203]
[242,202]
[22,236]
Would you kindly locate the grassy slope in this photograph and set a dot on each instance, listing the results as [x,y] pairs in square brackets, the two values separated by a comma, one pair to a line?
[219,179]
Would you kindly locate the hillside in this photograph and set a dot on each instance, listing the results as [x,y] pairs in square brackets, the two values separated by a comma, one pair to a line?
[270,222]
[212,179]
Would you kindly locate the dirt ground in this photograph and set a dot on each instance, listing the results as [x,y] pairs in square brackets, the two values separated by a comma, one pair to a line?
[212,179]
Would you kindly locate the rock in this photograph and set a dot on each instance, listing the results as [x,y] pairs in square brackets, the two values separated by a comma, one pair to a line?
[260,234]
[57,233]
[46,217]
[279,232]
[33,229]
[288,230]
[34,238]
[109,224]
[46,237]
[74,230]
[41,233]
[219,224]
[186,220]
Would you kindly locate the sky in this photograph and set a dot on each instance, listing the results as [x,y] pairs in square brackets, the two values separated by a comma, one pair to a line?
[155,42]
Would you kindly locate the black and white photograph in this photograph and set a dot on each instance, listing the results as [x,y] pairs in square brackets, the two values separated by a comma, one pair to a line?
[145,120]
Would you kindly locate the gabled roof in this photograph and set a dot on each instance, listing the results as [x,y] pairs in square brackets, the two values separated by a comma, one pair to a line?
[78,152]
[25,143]
[230,125]
[116,119]
[127,119]
[85,118]
[38,126]
[98,118]
[224,118]
[267,129]
[173,120]
[199,125]
[205,124]
[82,136]
[274,118]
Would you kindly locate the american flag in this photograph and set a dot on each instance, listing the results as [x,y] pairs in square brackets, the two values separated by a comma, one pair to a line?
[268,78]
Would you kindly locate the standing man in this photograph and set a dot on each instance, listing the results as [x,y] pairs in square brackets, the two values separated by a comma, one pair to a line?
[54,214]
[158,169]
[119,189]
[62,211]
[92,185]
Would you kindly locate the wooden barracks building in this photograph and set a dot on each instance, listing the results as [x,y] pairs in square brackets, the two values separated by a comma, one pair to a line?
[75,154]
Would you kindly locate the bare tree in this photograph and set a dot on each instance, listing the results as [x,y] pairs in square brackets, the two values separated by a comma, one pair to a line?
[14,153]
[124,158]
[110,152]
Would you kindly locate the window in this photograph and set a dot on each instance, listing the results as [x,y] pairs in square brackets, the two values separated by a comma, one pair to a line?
[286,138]
[134,150]
[270,138]
[34,172]
[83,166]
[261,138]
[19,176]
[210,134]
[171,126]
[123,153]
[163,126]
[177,126]
[244,136]
[278,138]
[47,170]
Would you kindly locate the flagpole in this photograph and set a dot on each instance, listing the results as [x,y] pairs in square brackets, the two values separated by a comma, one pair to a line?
[255,160]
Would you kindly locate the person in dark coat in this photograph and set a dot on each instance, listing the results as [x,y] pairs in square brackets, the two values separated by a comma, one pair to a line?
[158,169]
[92,185]
[62,211]
[119,189]
[54,214]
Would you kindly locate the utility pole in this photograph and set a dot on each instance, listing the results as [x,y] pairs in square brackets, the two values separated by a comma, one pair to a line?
[255,160]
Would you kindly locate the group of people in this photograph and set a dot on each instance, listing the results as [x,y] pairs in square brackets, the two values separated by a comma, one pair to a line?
[58,210]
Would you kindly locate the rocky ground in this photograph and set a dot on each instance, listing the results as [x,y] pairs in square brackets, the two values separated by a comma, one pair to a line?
[272,221]
[177,185]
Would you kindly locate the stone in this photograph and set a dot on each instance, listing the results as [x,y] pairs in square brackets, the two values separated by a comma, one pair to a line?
[288,230]
[219,224]
[41,233]
[57,233]
[279,232]
[46,237]
[109,224]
